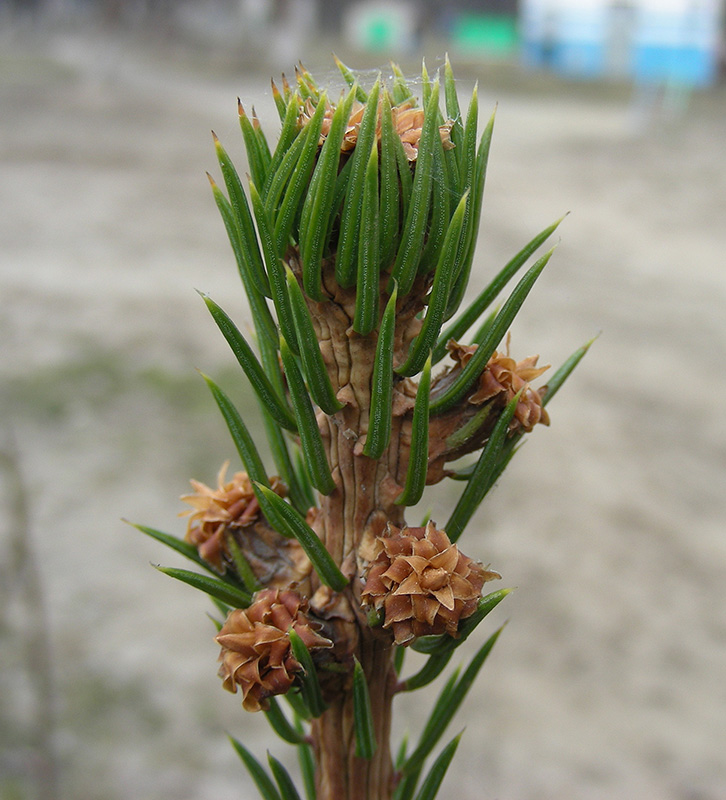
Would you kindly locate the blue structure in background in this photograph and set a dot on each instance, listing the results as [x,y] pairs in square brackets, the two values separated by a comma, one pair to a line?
[675,41]
[682,49]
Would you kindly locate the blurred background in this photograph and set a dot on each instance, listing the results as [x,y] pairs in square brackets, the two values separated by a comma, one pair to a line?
[610,680]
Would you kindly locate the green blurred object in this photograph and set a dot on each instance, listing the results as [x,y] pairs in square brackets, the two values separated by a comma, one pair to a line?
[381,33]
[487,34]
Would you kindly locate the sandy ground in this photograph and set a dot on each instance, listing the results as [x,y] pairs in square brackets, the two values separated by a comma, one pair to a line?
[610,679]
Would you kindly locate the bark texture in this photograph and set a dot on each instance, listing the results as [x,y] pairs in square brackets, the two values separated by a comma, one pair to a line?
[355,515]
[348,522]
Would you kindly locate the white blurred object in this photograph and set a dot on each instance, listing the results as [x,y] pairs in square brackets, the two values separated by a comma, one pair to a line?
[374,25]
[281,27]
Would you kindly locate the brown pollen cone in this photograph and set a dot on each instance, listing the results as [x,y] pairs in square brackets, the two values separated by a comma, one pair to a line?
[407,123]
[467,427]
[422,583]
[213,511]
[504,377]
[232,510]
[256,651]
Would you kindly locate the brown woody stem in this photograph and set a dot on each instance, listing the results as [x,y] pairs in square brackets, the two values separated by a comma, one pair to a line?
[348,521]
[340,774]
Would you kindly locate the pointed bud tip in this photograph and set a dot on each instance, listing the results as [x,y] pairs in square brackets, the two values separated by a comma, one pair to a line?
[588,344]
[559,221]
